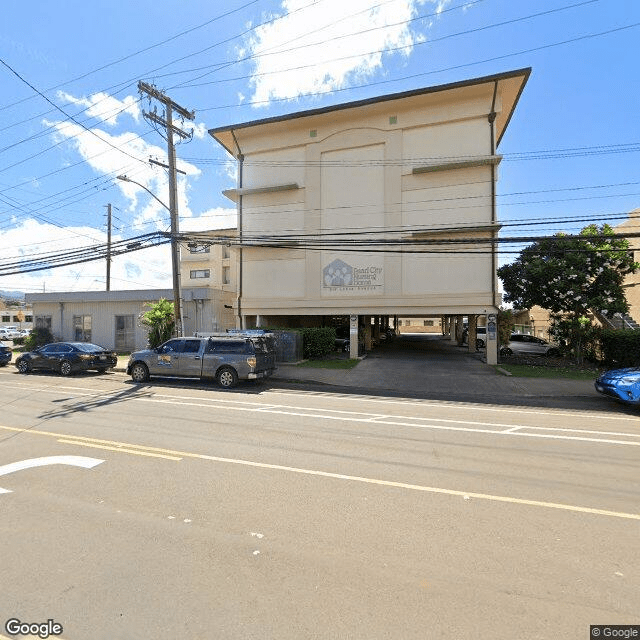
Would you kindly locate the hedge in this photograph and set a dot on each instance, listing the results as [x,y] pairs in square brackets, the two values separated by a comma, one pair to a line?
[318,342]
[620,347]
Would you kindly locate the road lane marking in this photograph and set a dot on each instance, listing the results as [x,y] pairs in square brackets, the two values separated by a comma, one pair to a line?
[339,476]
[119,449]
[441,424]
[460,406]
[32,463]
[380,420]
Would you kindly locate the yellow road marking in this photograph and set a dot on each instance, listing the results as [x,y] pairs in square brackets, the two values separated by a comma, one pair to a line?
[339,476]
[119,449]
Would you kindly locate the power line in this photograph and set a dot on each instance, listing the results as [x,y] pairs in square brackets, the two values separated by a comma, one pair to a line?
[425,73]
[138,52]
[368,53]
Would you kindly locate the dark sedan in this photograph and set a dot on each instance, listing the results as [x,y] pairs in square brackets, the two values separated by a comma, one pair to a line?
[67,358]
[5,355]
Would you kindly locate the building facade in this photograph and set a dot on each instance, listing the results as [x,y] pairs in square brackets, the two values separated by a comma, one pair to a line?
[208,270]
[107,318]
[378,208]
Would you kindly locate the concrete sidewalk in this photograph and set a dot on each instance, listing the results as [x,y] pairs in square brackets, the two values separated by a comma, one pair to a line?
[473,380]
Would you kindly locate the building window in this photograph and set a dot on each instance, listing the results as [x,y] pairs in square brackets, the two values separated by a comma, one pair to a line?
[28,318]
[225,251]
[43,322]
[82,328]
[428,323]
[200,248]
[6,318]
[125,333]
[199,273]
[226,279]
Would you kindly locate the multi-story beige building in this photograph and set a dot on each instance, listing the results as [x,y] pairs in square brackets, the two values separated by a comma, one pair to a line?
[208,281]
[382,207]
[632,282]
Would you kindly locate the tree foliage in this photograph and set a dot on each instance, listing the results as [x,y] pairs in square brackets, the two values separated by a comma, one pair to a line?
[160,321]
[572,276]
[37,338]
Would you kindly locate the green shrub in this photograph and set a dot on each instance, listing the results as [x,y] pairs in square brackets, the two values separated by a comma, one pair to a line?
[18,341]
[620,348]
[37,338]
[160,321]
[318,342]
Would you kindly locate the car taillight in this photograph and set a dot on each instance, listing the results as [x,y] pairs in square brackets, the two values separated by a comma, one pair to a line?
[251,361]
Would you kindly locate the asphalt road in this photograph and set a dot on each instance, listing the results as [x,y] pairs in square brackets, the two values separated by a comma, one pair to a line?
[276,513]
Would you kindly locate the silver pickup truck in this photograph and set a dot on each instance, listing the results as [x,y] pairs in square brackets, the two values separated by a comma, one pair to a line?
[226,359]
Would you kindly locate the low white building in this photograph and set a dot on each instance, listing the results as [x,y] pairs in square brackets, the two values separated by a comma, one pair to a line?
[107,318]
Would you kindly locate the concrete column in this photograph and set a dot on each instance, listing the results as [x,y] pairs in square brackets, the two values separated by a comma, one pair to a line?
[459,329]
[452,327]
[354,324]
[471,336]
[367,333]
[492,338]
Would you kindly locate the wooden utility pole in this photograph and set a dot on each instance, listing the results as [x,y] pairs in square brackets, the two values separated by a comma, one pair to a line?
[109,247]
[167,123]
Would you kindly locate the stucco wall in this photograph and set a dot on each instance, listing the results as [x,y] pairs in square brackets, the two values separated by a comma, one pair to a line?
[354,173]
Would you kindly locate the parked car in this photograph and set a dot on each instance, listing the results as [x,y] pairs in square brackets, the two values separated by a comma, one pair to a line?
[520,343]
[225,358]
[5,355]
[67,358]
[9,333]
[620,384]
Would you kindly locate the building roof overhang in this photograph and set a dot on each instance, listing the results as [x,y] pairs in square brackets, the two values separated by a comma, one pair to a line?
[509,85]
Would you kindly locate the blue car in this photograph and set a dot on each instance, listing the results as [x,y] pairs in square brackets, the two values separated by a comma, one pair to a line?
[621,384]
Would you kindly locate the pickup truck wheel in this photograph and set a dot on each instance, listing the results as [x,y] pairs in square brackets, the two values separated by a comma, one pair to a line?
[227,378]
[65,368]
[505,351]
[479,343]
[139,372]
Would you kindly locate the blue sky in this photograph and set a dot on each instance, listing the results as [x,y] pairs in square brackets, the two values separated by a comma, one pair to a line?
[70,111]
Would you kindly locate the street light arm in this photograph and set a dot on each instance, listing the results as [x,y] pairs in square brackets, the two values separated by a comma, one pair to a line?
[153,195]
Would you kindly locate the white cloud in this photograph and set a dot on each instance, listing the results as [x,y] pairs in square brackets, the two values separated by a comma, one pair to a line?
[328,44]
[116,154]
[199,130]
[218,218]
[104,106]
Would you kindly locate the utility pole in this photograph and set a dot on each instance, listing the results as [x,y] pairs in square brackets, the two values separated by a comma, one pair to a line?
[167,122]
[109,247]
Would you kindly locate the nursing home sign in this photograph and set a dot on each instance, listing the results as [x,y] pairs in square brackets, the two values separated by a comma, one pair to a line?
[339,277]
